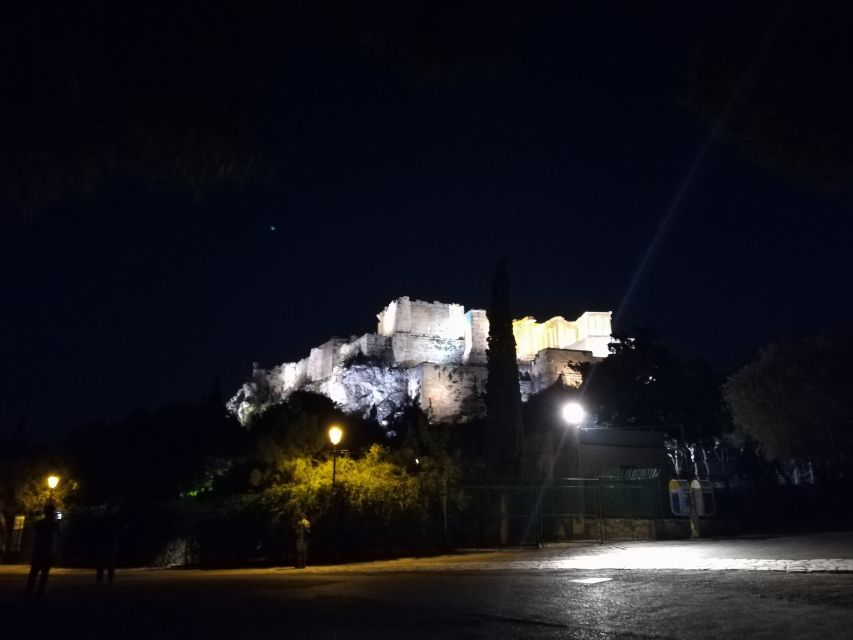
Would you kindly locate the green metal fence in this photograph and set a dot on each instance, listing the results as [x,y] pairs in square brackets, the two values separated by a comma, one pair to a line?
[562,509]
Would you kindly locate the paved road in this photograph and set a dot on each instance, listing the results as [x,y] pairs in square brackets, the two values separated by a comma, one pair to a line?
[517,594]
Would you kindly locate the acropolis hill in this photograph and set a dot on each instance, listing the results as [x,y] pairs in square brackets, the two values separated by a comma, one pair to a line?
[430,352]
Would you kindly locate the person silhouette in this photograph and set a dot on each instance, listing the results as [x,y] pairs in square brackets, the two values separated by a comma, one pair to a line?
[106,538]
[303,528]
[44,550]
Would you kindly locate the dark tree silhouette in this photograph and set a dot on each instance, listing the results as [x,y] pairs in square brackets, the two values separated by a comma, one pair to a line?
[503,397]
[642,384]
[794,401]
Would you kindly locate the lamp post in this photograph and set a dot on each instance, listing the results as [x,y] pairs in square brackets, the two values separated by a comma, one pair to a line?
[574,414]
[335,435]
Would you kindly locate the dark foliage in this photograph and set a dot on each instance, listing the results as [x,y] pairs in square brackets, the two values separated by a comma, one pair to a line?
[641,384]
[796,403]
[299,427]
[543,411]
[154,455]
[503,397]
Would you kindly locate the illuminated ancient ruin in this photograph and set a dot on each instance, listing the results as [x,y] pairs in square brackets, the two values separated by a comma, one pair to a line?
[430,352]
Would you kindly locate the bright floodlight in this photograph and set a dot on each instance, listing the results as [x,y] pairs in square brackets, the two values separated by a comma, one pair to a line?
[574,414]
[52,481]
[335,434]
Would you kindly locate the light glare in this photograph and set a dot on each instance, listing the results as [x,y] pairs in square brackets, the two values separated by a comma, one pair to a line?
[574,414]
[335,434]
[52,482]
[591,580]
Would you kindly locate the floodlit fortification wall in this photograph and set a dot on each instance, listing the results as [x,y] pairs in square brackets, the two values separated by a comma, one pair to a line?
[435,319]
[288,376]
[447,392]
[423,331]
[594,333]
[409,349]
[324,359]
[433,350]
[370,345]
[549,364]
[476,337]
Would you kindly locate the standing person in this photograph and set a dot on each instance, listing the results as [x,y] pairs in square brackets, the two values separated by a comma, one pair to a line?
[303,528]
[107,541]
[44,550]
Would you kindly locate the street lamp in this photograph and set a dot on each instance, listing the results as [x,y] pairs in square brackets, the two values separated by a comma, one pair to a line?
[335,435]
[574,414]
[52,483]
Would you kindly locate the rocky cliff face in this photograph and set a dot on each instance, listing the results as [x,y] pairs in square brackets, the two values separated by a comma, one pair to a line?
[364,389]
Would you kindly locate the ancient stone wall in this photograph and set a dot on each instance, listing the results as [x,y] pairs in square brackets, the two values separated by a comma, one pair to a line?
[476,337]
[289,376]
[446,392]
[431,350]
[550,364]
[435,319]
[531,336]
[594,333]
[370,345]
[525,386]
[590,332]
[410,349]
[438,319]
[324,359]
[388,318]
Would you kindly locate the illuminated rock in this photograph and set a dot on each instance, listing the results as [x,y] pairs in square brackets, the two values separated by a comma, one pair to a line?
[366,388]
[431,352]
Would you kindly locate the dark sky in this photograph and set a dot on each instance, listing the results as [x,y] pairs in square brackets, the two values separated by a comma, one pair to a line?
[564,148]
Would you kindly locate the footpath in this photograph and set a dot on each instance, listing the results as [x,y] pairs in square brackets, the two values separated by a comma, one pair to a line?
[822,552]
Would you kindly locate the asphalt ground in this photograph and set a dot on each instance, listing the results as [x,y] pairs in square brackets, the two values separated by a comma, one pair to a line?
[512,593]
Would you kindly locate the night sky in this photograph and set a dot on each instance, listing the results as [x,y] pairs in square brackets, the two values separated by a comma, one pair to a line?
[570,147]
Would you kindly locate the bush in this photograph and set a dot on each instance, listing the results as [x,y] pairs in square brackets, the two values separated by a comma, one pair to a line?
[376,508]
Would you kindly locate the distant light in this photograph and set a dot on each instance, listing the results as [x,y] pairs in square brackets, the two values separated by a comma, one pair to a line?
[52,482]
[574,414]
[58,515]
[417,461]
[335,434]
[272,227]
[590,580]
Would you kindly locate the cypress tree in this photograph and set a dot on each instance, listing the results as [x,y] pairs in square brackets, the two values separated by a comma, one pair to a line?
[503,396]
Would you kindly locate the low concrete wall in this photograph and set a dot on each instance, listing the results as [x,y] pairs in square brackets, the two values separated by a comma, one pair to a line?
[590,528]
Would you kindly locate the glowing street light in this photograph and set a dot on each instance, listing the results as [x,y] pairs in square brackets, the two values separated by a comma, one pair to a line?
[52,483]
[335,435]
[574,414]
